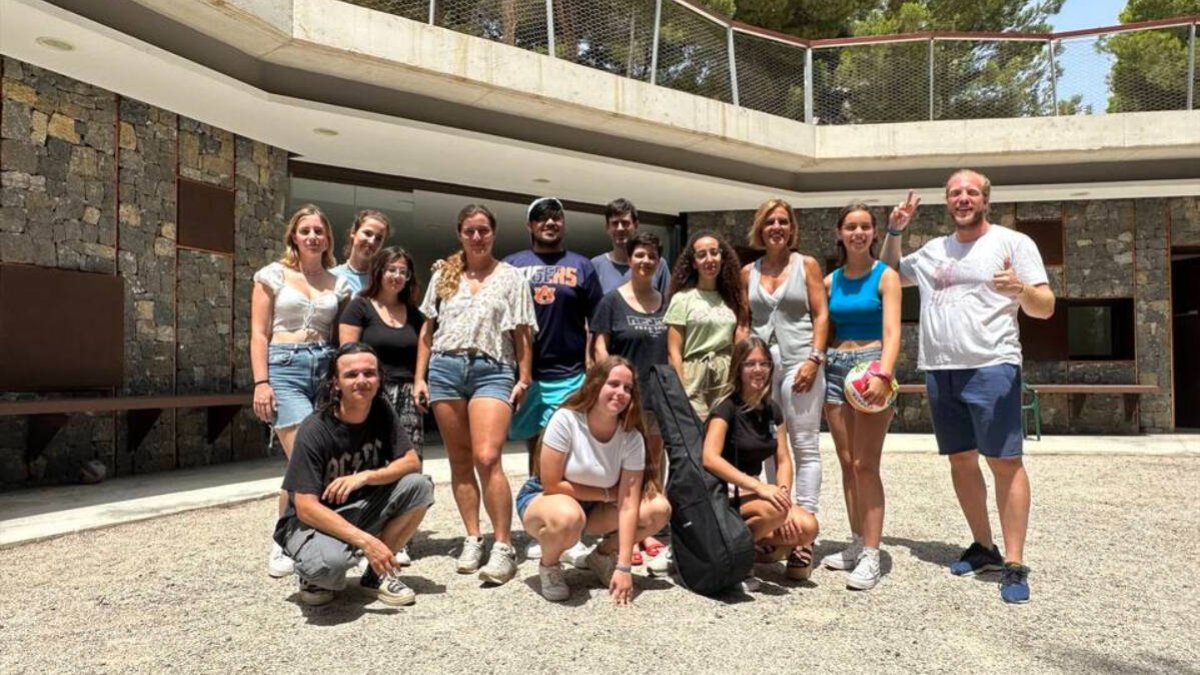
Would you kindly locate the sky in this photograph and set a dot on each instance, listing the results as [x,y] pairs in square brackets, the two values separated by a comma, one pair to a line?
[1083,69]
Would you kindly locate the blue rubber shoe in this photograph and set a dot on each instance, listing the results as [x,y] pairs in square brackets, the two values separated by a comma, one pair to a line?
[977,559]
[1014,585]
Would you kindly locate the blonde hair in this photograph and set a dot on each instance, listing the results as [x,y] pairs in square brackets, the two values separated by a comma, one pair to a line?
[450,272]
[291,255]
[985,185]
[760,221]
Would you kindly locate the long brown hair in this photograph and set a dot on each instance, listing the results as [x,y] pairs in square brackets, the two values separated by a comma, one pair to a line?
[380,262]
[450,273]
[741,353]
[291,255]
[630,419]
[729,280]
[847,210]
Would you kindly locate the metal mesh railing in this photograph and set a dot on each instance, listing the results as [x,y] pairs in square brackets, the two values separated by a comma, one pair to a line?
[976,79]
[612,35]
[770,75]
[693,53]
[873,83]
[900,78]
[520,23]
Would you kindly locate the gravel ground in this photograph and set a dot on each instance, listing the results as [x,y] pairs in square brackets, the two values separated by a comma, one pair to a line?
[1112,591]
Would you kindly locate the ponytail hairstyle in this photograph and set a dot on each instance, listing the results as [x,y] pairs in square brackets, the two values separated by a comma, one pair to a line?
[362,217]
[452,266]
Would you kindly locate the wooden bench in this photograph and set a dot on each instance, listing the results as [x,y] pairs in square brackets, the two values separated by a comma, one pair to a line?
[47,416]
[1131,392]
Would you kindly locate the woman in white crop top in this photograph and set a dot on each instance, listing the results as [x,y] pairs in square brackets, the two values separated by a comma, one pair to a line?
[293,310]
[593,469]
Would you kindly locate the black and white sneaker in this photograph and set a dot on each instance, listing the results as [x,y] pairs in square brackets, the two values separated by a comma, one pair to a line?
[390,590]
[314,596]
[977,559]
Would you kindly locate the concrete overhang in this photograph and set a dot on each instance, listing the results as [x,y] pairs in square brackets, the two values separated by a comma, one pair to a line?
[376,68]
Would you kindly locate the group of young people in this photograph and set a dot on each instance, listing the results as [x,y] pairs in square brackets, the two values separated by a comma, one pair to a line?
[549,347]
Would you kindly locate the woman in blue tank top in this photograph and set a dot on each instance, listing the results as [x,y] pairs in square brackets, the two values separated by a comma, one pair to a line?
[864,312]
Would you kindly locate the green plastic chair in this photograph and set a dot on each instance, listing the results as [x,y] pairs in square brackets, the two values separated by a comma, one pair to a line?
[1033,406]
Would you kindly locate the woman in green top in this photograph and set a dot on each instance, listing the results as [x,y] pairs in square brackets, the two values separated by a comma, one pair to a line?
[703,317]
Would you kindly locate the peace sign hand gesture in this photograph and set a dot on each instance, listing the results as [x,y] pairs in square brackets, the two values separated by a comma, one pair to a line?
[903,213]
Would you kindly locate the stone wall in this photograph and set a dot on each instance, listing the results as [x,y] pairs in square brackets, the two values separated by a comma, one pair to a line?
[1112,249]
[89,182]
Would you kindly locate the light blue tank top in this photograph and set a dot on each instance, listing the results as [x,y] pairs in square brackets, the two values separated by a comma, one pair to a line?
[855,306]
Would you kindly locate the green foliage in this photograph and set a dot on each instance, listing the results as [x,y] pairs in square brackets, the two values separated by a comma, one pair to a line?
[1149,69]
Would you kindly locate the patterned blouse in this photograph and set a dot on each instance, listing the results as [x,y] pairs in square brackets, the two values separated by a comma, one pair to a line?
[482,322]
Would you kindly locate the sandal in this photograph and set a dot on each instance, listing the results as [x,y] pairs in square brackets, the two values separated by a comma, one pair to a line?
[652,546]
[769,553]
[637,556]
[800,563]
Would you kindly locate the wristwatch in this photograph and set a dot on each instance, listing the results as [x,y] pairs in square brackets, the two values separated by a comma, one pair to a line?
[817,357]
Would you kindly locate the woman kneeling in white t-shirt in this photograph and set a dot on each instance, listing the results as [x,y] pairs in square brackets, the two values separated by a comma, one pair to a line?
[593,481]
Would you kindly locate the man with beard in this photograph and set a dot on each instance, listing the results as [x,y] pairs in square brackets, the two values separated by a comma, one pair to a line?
[973,283]
[565,292]
[354,487]
[621,223]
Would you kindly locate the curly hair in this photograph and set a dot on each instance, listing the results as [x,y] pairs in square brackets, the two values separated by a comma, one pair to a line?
[450,272]
[729,280]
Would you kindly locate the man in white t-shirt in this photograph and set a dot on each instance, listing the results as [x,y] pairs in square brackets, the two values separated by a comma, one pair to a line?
[973,284]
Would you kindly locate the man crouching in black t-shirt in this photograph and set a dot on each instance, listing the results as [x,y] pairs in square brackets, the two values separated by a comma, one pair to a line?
[354,486]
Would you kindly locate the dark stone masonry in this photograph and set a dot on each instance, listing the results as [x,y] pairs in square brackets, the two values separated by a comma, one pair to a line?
[1112,249]
[89,182]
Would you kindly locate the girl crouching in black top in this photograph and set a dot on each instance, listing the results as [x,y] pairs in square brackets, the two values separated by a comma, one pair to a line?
[740,434]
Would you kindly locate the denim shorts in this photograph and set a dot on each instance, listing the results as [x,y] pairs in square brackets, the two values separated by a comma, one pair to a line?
[976,409]
[839,364]
[539,404]
[295,371]
[455,376]
[532,488]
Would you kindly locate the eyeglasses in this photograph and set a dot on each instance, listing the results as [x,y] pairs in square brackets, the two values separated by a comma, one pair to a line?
[402,272]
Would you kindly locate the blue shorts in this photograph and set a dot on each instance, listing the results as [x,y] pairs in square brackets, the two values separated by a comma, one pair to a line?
[454,376]
[532,488]
[840,362]
[977,409]
[542,399]
[295,371]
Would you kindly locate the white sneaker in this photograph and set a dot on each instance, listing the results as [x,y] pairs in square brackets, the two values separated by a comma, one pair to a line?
[845,559]
[660,565]
[866,572]
[554,585]
[576,556]
[403,559]
[501,565]
[279,565]
[533,551]
[751,584]
[471,556]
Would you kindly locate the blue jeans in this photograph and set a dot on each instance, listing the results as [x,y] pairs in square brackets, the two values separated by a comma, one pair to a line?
[296,371]
[455,375]
[840,362]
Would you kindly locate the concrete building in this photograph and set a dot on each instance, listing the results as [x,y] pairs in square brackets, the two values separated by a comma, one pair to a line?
[157,146]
